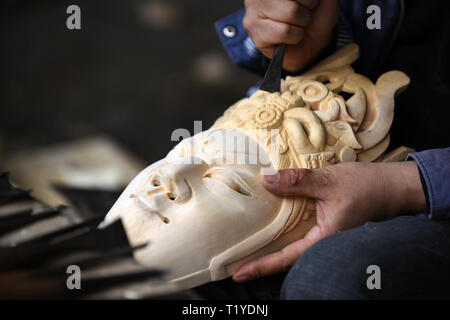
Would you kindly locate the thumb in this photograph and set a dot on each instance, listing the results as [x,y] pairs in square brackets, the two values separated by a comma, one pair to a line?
[298,182]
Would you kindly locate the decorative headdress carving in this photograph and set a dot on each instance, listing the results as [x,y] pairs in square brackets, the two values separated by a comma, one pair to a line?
[315,125]
[309,124]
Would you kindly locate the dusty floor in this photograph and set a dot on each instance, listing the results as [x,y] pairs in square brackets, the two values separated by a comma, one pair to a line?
[135,71]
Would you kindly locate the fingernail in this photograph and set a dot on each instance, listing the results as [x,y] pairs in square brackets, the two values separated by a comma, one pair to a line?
[272,179]
[240,277]
[243,277]
[242,274]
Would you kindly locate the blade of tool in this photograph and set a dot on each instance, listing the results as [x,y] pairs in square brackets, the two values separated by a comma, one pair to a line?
[272,78]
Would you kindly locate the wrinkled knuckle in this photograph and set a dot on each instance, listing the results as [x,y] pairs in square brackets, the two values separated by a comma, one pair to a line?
[291,177]
[250,20]
[328,177]
[249,3]
[284,31]
[291,11]
[246,22]
[259,43]
[257,271]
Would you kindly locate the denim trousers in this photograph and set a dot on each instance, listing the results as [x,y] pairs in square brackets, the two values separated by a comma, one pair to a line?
[411,255]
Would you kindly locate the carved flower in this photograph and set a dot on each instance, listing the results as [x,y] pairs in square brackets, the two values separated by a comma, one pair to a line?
[267,117]
[312,91]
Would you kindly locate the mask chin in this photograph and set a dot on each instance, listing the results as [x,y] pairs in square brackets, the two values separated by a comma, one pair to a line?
[225,263]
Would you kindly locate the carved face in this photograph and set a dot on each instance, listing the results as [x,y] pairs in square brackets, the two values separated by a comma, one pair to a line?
[202,199]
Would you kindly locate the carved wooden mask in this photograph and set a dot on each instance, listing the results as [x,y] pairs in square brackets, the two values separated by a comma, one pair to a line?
[203,209]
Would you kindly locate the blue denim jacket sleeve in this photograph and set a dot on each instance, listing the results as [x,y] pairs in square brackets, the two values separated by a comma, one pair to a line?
[434,166]
[238,44]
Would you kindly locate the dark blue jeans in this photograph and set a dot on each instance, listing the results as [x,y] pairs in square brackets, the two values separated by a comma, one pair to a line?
[412,253]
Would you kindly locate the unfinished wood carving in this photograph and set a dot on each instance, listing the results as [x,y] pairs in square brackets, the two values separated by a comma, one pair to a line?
[203,209]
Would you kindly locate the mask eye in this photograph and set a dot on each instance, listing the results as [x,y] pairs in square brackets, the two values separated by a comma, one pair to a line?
[230,178]
[154,181]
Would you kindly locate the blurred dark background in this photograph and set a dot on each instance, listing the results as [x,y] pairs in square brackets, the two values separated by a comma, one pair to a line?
[137,70]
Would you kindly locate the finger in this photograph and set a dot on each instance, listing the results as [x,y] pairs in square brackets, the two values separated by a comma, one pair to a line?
[314,183]
[324,18]
[286,11]
[310,4]
[279,261]
[268,51]
[267,33]
[273,263]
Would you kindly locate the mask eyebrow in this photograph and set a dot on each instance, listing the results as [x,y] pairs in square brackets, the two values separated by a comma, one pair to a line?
[237,177]
[188,149]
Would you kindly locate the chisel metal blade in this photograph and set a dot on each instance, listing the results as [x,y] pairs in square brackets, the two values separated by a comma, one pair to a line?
[272,79]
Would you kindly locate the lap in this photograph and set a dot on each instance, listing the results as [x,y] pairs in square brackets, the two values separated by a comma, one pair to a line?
[412,252]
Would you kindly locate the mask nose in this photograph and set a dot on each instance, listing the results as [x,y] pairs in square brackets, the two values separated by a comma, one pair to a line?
[175,180]
[167,190]
[169,185]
